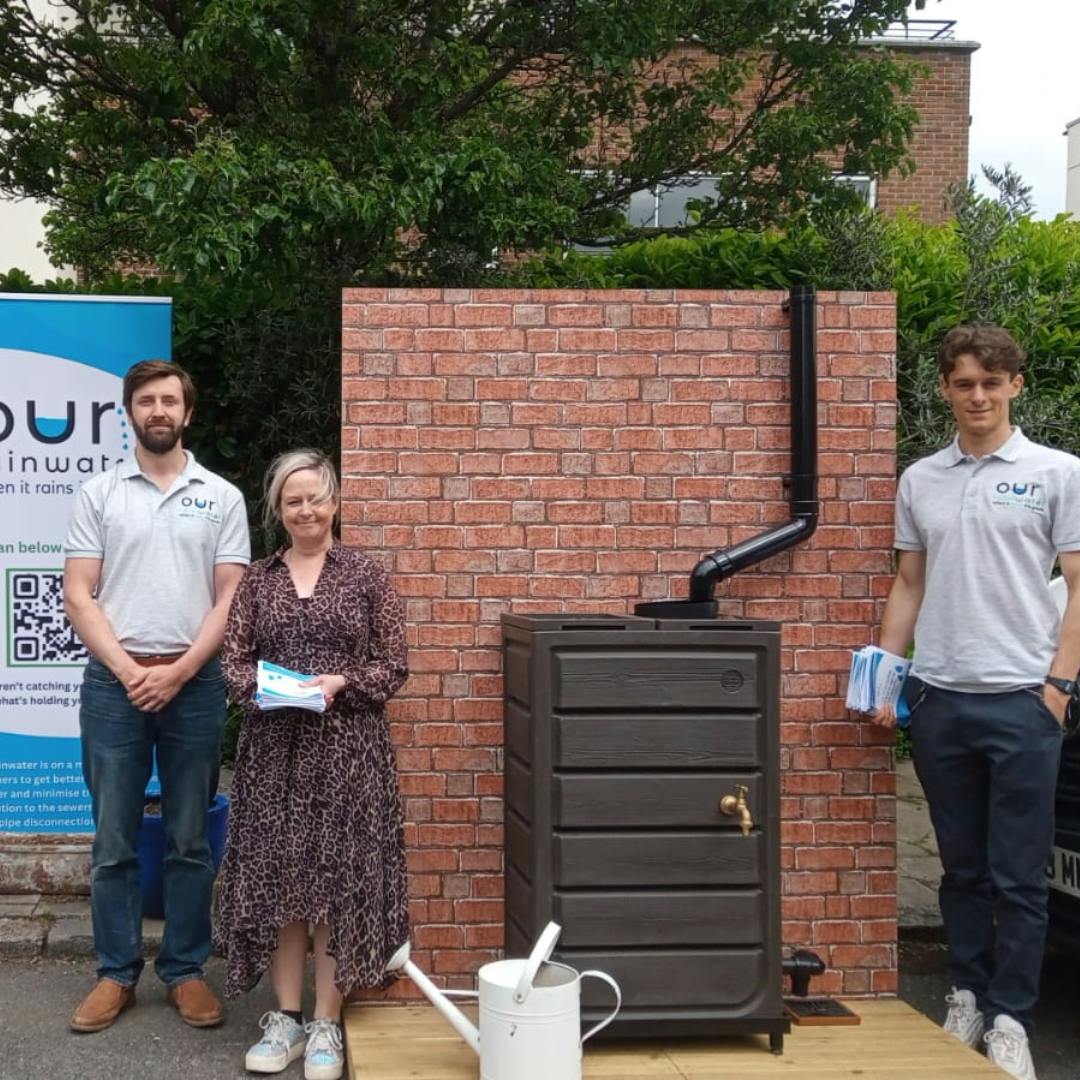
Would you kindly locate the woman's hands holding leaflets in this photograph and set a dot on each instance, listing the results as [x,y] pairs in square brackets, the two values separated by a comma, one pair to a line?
[332,685]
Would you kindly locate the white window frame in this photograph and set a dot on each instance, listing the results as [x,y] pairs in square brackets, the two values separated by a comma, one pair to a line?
[851,179]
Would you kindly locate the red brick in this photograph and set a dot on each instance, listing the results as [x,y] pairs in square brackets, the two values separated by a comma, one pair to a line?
[483,315]
[838,932]
[873,956]
[813,883]
[824,858]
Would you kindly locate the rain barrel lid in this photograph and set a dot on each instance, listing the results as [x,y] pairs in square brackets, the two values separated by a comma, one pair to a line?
[572,621]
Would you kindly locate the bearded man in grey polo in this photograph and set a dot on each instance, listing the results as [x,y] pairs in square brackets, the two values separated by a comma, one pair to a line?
[155,549]
[978,527]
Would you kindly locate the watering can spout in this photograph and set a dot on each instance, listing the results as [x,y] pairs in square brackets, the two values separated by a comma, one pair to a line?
[454,1016]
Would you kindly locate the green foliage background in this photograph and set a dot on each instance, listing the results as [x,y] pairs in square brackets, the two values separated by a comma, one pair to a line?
[274,142]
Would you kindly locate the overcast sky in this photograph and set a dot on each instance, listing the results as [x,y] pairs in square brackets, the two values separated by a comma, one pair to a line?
[1024,86]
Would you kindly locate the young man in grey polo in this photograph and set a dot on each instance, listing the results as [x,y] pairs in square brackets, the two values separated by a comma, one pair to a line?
[978,527]
[155,549]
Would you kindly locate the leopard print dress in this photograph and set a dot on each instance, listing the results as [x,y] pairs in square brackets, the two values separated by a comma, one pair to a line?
[315,826]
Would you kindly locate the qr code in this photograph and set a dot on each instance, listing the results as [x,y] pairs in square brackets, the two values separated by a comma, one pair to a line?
[39,633]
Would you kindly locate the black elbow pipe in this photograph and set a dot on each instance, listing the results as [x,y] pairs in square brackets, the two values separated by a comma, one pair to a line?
[803,497]
[802,965]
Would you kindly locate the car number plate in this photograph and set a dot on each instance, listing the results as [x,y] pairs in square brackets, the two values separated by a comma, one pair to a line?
[1063,871]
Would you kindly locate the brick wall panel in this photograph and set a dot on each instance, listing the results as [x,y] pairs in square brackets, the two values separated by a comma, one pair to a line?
[581,451]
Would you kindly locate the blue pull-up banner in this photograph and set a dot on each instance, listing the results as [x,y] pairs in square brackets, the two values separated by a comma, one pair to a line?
[62,360]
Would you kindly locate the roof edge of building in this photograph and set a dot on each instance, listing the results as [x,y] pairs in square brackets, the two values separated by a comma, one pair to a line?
[923,45]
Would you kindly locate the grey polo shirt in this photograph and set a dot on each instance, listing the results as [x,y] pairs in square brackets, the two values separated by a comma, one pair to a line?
[158,550]
[991,528]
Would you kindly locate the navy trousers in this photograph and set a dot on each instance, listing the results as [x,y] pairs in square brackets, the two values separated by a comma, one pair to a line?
[988,764]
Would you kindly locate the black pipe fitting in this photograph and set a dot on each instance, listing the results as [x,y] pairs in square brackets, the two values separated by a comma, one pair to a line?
[802,965]
[803,495]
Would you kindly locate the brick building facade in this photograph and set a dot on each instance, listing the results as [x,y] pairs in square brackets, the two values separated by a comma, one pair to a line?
[940,145]
[550,451]
[938,149]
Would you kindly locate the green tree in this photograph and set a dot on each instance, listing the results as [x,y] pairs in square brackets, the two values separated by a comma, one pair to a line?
[1012,192]
[272,142]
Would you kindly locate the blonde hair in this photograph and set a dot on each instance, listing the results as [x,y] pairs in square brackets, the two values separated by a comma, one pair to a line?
[283,466]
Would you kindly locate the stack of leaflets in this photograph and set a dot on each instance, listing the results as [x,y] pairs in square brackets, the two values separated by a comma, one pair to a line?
[877,679]
[280,688]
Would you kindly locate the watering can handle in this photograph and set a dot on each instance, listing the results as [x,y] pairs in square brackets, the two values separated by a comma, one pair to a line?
[541,953]
[618,1002]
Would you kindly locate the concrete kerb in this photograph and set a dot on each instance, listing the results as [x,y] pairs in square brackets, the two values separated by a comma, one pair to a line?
[56,927]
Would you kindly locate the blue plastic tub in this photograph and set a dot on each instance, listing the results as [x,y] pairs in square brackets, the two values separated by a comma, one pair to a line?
[152,853]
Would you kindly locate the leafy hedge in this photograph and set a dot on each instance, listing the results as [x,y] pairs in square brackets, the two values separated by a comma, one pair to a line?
[984,265]
[987,266]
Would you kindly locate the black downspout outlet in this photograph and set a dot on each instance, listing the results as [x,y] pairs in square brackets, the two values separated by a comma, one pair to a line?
[802,965]
[803,491]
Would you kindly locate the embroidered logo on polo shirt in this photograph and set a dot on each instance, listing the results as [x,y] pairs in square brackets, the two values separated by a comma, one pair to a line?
[205,509]
[1028,496]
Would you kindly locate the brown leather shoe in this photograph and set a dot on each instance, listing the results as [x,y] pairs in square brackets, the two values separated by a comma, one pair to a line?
[196,1003]
[102,1006]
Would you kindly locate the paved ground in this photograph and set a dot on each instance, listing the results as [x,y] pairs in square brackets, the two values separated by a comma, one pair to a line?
[1056,1043]
[916,853]
[149,1042]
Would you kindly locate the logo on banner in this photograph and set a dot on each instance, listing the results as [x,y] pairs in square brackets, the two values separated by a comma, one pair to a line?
[64,424]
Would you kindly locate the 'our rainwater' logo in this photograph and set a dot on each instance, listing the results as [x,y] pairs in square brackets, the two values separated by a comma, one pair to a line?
[194,507]
[63,424]
[1026,496]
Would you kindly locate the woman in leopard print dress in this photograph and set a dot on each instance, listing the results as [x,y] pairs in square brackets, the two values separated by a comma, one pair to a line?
[315,830]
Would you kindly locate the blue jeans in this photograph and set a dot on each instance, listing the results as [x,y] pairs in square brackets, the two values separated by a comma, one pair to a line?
[988,764]
[118,744]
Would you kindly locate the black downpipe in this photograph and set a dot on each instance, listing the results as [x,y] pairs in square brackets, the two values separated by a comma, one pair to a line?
[803,492]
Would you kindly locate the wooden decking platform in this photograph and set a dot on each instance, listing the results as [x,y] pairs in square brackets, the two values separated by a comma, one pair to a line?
[893,1042]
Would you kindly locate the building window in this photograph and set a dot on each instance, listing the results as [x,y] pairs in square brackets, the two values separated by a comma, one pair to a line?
[865,186]
[667,206]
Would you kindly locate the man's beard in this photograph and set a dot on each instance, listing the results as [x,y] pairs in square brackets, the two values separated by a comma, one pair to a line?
[157,440]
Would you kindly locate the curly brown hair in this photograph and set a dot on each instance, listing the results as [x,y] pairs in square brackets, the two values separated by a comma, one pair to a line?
[994,347]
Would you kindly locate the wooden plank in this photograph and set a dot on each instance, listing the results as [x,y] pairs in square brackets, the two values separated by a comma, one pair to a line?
[598,860]
[657,676]
[894,1042]
[703,978]
[672,917]
[652,741]
[657,800]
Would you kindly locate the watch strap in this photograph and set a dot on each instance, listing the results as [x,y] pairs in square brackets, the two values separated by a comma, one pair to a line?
[1066,686]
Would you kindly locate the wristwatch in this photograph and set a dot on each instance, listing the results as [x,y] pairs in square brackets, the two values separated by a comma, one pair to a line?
[1066,686]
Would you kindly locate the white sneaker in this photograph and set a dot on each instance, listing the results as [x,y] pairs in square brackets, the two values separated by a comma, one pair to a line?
[282,1043]
[324,1058]
[1007,1047]
[963,1019]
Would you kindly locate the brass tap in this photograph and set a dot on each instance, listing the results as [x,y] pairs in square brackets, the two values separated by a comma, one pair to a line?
[736,804]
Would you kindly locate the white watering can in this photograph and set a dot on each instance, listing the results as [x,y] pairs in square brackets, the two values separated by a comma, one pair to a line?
[530,1013]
